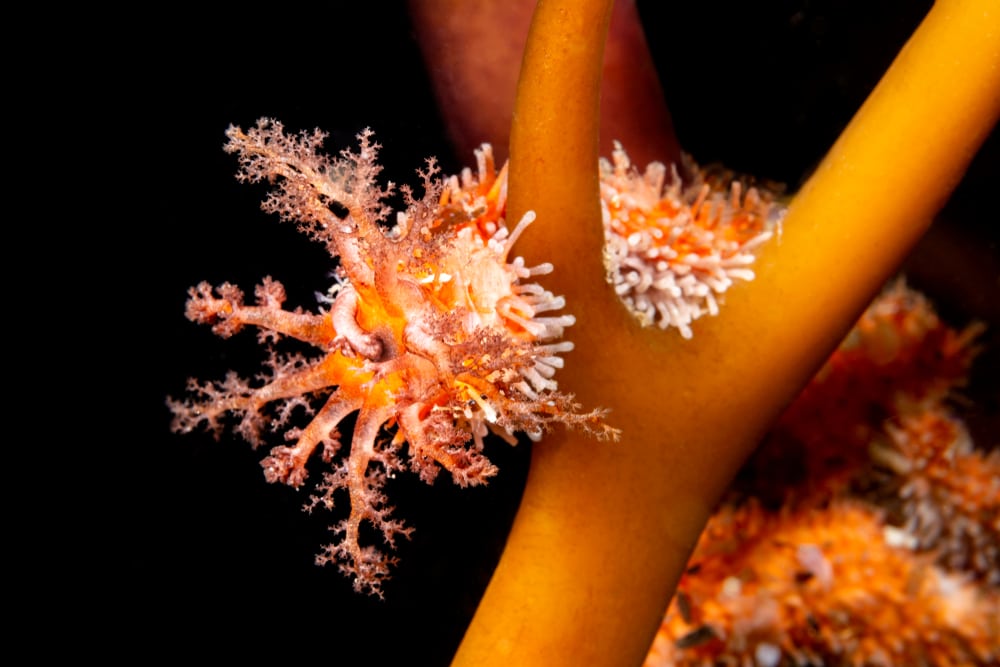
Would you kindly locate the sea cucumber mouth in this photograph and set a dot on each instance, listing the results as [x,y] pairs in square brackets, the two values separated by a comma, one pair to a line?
[388,350]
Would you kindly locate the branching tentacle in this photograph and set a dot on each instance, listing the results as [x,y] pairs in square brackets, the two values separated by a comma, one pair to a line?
[288,464]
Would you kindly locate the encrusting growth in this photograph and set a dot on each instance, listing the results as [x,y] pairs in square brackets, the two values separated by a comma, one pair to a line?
[672,250]
[866,528]
[820,587]
[433,336]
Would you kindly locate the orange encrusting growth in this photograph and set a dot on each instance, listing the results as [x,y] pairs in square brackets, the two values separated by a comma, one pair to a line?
[898,348]
[432,331]
[866,529]
[820,588]
[945,490]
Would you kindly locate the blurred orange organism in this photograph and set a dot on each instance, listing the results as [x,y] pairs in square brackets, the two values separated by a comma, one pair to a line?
[866,528]
[820,587]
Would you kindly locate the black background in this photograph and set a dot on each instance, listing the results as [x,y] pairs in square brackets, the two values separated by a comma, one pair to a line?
[207,560]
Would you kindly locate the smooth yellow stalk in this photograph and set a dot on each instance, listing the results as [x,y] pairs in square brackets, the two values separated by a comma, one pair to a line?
[604,529]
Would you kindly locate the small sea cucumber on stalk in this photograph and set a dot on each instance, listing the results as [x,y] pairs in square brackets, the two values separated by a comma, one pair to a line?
[672,250]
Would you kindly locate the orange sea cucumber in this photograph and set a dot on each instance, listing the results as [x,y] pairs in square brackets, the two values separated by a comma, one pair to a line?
[434,335]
